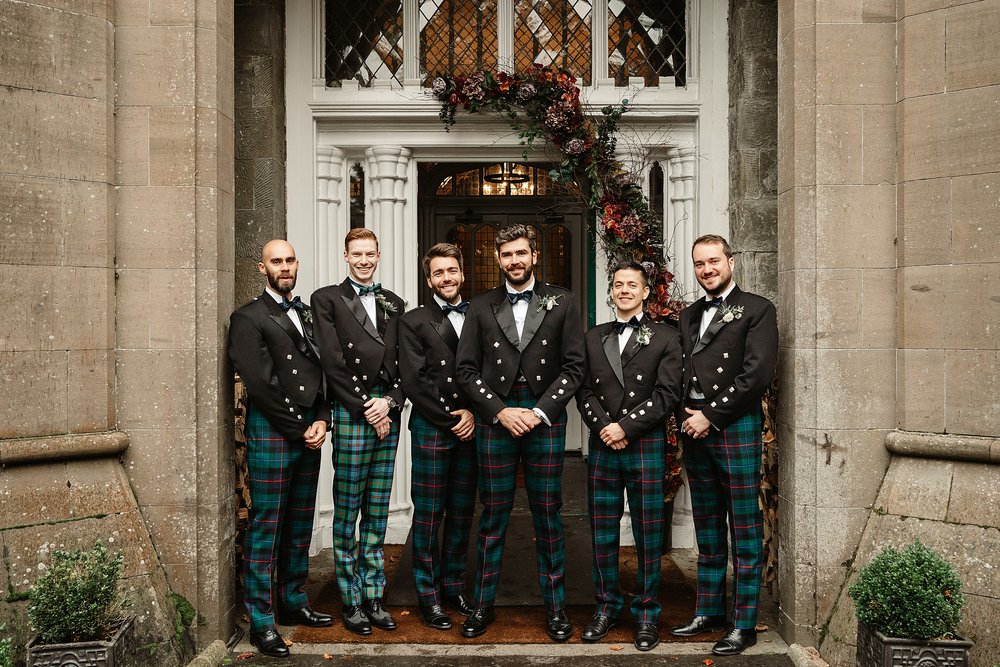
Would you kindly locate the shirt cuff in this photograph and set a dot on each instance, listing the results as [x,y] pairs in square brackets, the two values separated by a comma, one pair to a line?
[541,415]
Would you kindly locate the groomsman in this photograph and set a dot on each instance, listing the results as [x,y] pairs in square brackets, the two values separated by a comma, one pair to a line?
[270,345]
[520,359]
[730,341]
[444,450]
[633,384]
[357,325]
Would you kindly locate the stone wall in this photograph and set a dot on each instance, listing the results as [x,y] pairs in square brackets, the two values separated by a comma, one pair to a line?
[260,132]
[753,143]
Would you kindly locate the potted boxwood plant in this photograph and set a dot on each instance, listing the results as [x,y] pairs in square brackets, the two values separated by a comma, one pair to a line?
[909,604]
[78,612]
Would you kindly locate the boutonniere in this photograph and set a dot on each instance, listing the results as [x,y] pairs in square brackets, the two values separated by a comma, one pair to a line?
[388,306]
[643,335]
[307,316]
[548,302]
[730,313]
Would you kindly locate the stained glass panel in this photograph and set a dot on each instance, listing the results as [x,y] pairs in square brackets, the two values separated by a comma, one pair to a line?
[364,40]
[457,37]
[555,258]
[553,32]
[472,183]
[647,38]
[485,272]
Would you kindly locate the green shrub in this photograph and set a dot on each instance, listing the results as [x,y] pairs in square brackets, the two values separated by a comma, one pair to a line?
[6,650]
[913,593]
[77,598]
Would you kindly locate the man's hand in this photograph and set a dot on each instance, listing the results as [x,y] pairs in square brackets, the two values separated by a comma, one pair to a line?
[530,418]
[513,419]
[465,429]
[697,425]
[382,427]
[315,434]
[613,434]
[378,409]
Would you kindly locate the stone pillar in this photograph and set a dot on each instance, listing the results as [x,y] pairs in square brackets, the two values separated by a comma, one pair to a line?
[174,251]
[333,218]
[836,292]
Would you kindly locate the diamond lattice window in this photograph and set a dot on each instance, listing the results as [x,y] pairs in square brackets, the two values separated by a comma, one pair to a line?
[364,40]
[553,32]
[457,37]
[646,38]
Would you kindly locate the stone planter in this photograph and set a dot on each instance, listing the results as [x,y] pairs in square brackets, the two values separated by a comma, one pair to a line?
[113,652]
[877,650]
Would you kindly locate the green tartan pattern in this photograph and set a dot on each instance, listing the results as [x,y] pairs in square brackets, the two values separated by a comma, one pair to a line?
[363,466]
[724,474]
[541,453]
[636,471]
[443,488]
[282,479]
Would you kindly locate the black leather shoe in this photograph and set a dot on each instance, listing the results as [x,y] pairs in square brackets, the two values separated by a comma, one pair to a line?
[434,616]
[598,628]
[459,603]
[306,617]
[646,636]
[558,626]
[699,625]
[735,642]
[356,621]
[478,621]
[269,642]
[379,617]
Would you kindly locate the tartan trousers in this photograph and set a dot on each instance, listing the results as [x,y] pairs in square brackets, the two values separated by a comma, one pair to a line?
[541,452]
[724,474]
[282,478]
[637,471]
[362,479]
[443,487]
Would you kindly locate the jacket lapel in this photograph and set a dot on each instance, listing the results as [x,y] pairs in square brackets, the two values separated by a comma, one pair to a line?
[717,323]
[504,313]
[442,324]
[610,343]
[282,319]
[535,315]
[632,348]
[357,308]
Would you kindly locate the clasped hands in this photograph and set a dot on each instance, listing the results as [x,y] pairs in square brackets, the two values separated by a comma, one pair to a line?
[377,414]
[613,435]
[519,421]
[697,425]
[315,435]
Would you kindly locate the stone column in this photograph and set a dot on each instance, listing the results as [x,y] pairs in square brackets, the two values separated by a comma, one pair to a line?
[174,259]
[836,292]
[332,218]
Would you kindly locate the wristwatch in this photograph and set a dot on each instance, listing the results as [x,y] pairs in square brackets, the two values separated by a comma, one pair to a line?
[391,401]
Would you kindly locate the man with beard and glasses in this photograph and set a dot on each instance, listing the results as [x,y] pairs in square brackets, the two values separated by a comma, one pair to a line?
[443,484]
[357,326]
[730,345]
[271,347]
[520,360]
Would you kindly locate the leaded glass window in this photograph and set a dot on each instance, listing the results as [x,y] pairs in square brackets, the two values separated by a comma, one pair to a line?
[646,38]
[364,40]
[474,182]
[457,37]
[553,32]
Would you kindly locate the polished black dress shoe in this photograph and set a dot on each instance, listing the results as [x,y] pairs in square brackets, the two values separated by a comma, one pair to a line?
[459,603]
[558,626]
[646,636]
[735,642]
[379,617]
[433,615]
[478,621]
[306,617]
[269,642]
[598,628]
[356,621]
[699,625]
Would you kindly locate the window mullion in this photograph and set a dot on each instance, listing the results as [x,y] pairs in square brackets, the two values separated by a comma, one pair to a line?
[599,45]
[411,43]
[505,35]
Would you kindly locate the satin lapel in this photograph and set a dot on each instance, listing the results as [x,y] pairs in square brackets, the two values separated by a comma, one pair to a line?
[381,317]
[357,308]
[713,328]
[504,313]
[610,343]
[632,348]
[442,324]
[694,324]
[533,318]
[282,319]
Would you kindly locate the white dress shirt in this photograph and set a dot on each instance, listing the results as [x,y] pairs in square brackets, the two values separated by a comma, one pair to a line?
[368,301]
[456,318]
[293,313]
[625,336]
[521,307]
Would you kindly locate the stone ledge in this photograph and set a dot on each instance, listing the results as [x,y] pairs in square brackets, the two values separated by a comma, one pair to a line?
[941,446]
[16,451]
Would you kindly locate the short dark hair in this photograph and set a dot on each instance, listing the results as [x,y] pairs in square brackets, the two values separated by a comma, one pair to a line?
[514,232]
[632,266]
[714,239]
[358,234]
[441,250]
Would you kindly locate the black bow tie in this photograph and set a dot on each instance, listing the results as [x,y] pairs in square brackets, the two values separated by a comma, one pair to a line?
[367,289]
[294,303]
[620,327]
[514,297]
[714,302]
[462,307]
